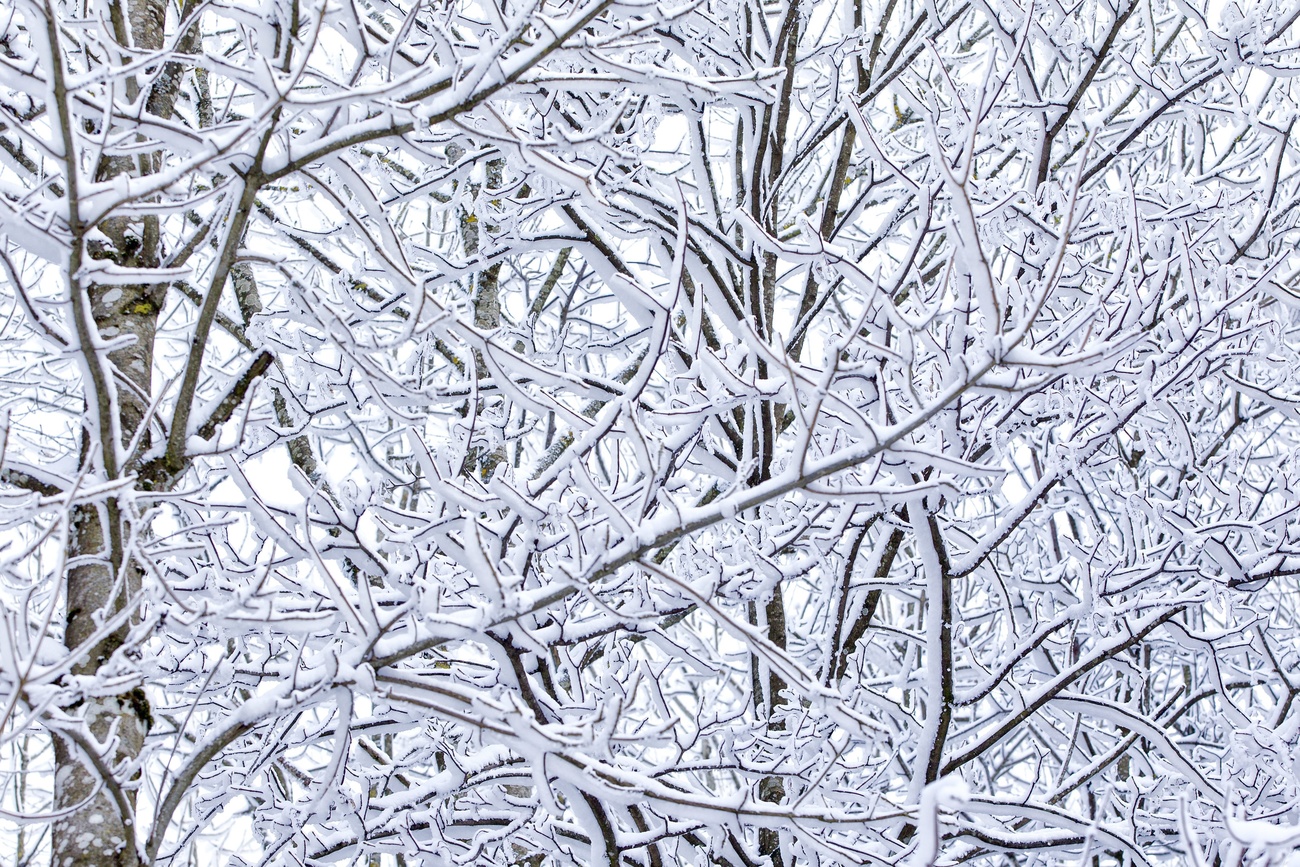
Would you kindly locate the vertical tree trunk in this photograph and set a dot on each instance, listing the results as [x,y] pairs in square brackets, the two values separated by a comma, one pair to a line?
[94,777]
[765,208]
[96,832]
[487,316]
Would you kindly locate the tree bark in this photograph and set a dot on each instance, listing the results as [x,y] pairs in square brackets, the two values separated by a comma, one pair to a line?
[95,764]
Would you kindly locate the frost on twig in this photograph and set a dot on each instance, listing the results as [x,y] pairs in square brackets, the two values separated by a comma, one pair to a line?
[719,433]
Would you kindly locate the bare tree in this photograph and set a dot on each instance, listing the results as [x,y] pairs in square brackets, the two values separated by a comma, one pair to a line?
[627,433]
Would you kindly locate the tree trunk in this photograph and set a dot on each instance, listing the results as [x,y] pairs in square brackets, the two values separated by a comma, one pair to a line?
[95,774]
[96,832]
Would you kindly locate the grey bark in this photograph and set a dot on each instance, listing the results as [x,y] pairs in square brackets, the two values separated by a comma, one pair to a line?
[94,780]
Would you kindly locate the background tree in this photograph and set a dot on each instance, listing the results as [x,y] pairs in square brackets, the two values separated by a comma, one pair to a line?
[612,433]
